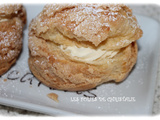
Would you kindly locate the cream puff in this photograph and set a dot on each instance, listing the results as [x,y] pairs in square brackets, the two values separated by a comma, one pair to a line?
[12,21]
[80,46]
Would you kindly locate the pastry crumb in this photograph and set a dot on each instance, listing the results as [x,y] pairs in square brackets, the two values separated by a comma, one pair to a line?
[5,80]
[53,96]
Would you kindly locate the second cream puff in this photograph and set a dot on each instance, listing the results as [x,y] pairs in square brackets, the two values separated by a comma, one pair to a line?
[12,21]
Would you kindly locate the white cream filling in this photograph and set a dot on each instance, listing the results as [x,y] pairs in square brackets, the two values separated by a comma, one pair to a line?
[87,54]
[2,20]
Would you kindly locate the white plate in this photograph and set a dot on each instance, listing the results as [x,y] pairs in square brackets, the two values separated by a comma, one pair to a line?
[134,96]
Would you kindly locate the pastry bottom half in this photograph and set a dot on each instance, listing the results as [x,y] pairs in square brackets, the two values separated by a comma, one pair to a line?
[56,70]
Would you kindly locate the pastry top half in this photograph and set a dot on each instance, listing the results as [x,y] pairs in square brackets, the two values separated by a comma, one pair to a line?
[12,21]
[10,11]
[104,26]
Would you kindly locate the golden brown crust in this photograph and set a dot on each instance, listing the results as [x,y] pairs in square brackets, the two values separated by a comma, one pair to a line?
[11,26]
[8,9]
[98,27]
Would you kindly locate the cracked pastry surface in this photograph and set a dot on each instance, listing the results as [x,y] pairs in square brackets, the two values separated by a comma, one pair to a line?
[79,46]
[12,21]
